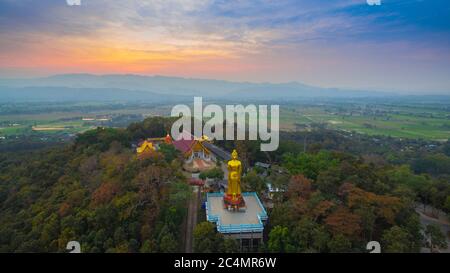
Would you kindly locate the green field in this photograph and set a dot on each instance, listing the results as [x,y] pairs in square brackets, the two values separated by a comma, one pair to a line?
[64,121]
[402,121]
[401,124]
[26,127]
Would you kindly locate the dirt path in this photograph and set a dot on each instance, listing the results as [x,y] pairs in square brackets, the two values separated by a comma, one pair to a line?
[441,221]
[192,218]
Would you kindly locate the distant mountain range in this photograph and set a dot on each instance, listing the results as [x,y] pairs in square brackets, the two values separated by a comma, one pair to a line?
[82,87]
[66,94]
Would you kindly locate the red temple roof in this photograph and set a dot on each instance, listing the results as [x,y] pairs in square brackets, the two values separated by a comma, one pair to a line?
[183,145]
[184,142]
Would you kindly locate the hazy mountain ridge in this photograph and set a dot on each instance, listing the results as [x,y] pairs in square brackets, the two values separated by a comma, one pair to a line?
[60,94]
[129,86]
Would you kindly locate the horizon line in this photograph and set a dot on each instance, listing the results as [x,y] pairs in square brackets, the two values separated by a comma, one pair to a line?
[368,89]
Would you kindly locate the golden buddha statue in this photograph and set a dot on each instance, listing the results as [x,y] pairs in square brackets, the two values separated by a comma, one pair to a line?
[233,197]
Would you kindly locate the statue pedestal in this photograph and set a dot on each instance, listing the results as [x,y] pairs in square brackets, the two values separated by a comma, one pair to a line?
[235,203]
[246,226]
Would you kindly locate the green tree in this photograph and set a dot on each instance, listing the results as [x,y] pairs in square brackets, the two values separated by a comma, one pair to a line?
[329,181]
[447,204]
[279,240]
[310,165]
[148,247]
[215,174]
[50,231]
[395,240]
[206,239]
[320,238]
[435,237]
[169,152]
[414,228]
[368,217]
[309,236]
[339,244]
[230,245]
[168,243]
[253,182]
[302,234]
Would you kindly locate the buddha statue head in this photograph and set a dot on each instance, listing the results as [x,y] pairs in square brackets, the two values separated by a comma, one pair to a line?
[234,154]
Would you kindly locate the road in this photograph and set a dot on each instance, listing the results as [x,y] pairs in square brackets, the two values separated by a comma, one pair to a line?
[441,221]
[192,218]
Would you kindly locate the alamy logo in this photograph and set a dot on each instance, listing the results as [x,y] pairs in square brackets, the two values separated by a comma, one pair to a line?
[73,2]
[74,247]
[373,247]
[235,116]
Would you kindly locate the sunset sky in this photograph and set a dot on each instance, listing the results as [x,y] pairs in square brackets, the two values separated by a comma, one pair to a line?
[402,45]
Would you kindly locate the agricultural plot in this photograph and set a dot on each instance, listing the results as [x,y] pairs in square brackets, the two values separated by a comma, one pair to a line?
[431,125]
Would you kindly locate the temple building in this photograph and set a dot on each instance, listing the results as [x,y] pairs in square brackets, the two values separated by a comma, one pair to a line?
[192,148]
[196,152]
[236,214]
[145,147]
[199,153]
[158,140]
[152,144]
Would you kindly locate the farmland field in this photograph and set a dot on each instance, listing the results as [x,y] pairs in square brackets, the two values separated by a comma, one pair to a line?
[417,123]
[43,119]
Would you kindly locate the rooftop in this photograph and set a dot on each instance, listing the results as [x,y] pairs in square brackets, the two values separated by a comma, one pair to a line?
[224,155]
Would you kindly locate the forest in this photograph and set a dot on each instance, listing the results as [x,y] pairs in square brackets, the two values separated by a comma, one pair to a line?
[337,193]
[340,191]
[96,191]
